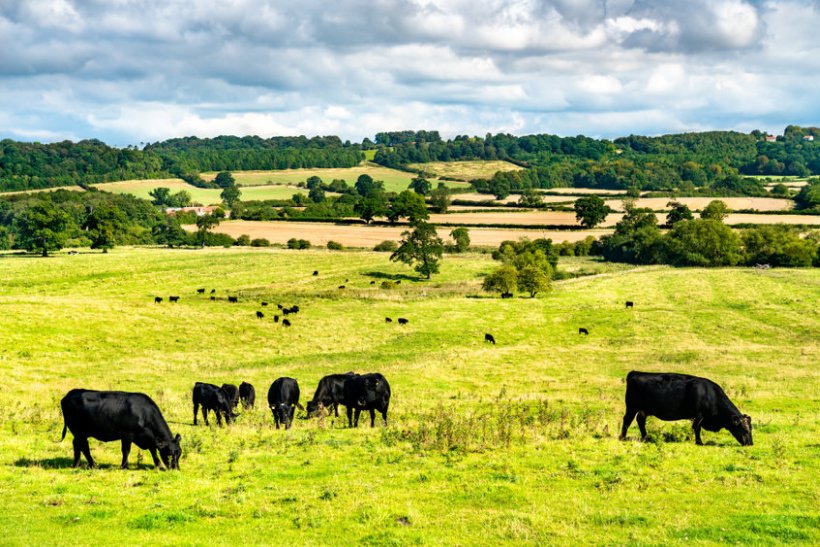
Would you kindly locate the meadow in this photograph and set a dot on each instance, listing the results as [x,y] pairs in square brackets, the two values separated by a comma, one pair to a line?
[466,170]
[205,196]
[508,444]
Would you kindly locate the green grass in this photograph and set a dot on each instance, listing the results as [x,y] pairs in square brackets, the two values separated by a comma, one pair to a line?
[205,196]
[466,170]
[508,444]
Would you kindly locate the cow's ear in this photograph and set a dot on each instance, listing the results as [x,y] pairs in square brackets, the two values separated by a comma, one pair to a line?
[748,418]
[177,438]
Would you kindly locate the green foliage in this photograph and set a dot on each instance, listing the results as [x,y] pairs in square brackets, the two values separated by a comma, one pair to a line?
[461,237]
[42,227]
[420,246]
[636,239]
[591,211]
[702,242]
[260,242]
[503,280]
[243,240]
[162,197]
[335,246]
[440,198]
[206,223]
[530,198]
[420,185]
[524,252]
[317,194]
[678,212]
[224,179]
[230,195]
[387,246]
[534,280]
[104,224]
[409,205]
[294,243]
[715,210]
[169,232]
[809,195]
[777,245]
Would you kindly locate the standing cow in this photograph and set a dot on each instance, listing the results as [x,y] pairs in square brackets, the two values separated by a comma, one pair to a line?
[232,393]
[671,396]
[119,416]
[283,396]
[366,392]
[211,397]
[247,394]
[329,393]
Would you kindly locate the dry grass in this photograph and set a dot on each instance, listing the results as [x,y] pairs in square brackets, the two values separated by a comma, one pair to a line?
[466,170]
[699,203]
[37,191]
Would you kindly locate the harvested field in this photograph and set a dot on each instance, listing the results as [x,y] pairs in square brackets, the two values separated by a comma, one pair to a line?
[699,203]
[526,218]
[742,218]
[465,170]
[38,190]
[359,235]
[584,191]
[513,198]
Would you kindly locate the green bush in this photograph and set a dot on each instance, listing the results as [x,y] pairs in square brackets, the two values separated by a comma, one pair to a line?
[294,243]
[335,246]
[243,241]
[386,246]
[260,242]
[389,285]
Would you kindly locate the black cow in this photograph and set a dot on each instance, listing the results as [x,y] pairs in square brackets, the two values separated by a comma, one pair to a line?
[341,286]
[671,396]
[630,304]
[403,321]
[200,291]
[173,299]
[157,299]
[329,393]
[247,394]
[119,416]
[260,315]
[213,291]
[285,323]
[280,306]
[388,320]
[213,297]
[275,318]
[398,282]
[582,330]
[372,282]
[489,338]
[211,397]
[283,397]
[366,392]
[294,309]
[506,295]
[264,303]
[233,299]
[232,393]
[315,272]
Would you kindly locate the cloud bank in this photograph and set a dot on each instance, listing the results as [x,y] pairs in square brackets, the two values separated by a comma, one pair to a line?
[130,71]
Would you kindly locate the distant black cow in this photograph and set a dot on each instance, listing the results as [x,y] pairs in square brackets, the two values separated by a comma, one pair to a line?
[119,416]
[398,282]
[260,315]
[275,318]
[173,299]
[388,320]
[213,297]
[213,291]
[506,295]
[283,397]
[200,291]
[247,394]
[329,393]
[294,309]
[630,304]
[264,303]
[372,282]
[232,393]
[315,272]
[285,323]
[233,299]
[341,286]
[157,299]
[285,311]
[366,392]
[280,306]
[211,397]
[403,321]
[582,330]
[489,338]
[671,396]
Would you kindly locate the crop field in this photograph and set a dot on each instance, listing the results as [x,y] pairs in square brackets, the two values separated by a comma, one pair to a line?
[359,235]
[511,444]
[699,203]
[69,188]
[394,180]
[466,170]
[205,196]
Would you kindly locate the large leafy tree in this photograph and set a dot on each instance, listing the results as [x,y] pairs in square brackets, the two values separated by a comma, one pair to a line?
[715,210]
[461,236]
[591,211]
[225,179]
[421,247]
[533,280]
[170,233]
[503,280]
[230,195]
[42,227]
[409,205]
[702,242]
[206,223]
[679,211]
[103,223]
[440,198]
[420,185]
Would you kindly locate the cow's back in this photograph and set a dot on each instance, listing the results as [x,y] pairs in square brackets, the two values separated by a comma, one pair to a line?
[110,415]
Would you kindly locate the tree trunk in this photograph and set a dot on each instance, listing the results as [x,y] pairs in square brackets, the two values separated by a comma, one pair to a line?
[45,252]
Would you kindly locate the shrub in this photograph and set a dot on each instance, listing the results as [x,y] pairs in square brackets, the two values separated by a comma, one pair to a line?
[777,246]
[294,243]
[389,285]
[335,246]
[243,241]
[218,240]
[386,246]
[260,242]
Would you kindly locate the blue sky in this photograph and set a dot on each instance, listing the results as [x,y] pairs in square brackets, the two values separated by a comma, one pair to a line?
[131,71]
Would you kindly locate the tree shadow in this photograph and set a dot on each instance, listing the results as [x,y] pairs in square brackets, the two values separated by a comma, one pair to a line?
[392,277]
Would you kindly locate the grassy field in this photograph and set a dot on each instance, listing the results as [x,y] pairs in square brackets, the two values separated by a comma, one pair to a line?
[466,170]
[509,444]
[205,196]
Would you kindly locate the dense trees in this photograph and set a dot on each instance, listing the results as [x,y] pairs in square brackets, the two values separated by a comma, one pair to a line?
[42,227]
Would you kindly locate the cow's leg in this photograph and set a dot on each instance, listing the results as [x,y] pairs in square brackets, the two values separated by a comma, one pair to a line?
[155,457]
[196,411]
[372,418]
[696,425]
[126,449]
[78,447]
[628,417]
[87,452]
[276,419]
[205,415]
[336,409]
[349,417]
[642,424]
[356,414]
[218,418]
[384,414]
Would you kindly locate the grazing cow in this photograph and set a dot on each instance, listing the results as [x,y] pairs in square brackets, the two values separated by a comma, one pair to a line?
[671,396]
[388,320]
[173,299]
[630,304]
[275,318]
[341,286]
[489,338]
[398,282]
[506,295]
[403,321]
[582,330]
[200,291]
[157,300]
[233,299]
[72,253]
[280,306]
[213,291]
[329,393]
[247,394]
[283,397]
[213,297]
[315,272]
[119,416]
[260,315]
[232,393]
[264,304]
[366,392]
[372,282]
[294,309]
[285,323]
[211,397]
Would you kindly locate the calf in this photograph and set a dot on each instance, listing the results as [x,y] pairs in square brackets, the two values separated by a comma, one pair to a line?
[388,320]
[119,416]
[260,315]
[285,323]
[582,330]
[489,338]
[366,392]
[671,396]
[157,299]
[630,304]
[173,299]
[329,393]
[200,291]
[247,394]
[211,397]
[403,321]
[233,299]
[232,393]
[283,397]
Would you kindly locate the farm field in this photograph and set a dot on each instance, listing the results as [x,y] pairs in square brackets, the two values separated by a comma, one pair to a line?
[466,170]
[69,188]
[512,444]
[205,196]
[512,198]
[699,203]
[360,235]
[394,180]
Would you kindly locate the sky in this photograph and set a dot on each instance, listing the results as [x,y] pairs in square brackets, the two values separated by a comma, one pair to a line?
[134,71]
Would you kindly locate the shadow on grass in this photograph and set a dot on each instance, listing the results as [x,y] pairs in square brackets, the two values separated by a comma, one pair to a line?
[392,277]
[67,463]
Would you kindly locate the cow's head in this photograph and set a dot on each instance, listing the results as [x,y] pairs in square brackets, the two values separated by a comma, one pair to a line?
[285,413]
[741,428]
[171,452]
[314,408]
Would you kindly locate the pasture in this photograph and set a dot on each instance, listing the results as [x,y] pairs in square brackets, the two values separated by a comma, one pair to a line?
[205,196]
[466,170]
[510,444]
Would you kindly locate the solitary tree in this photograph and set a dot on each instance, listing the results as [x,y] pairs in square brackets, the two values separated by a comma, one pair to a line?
[716,210]
[420,246]
[160,196]
[503,280]
[530,198]
[461,236]
[230,195]
[224,179]
[206,222]
[420,185]
[533,280]
[409,205]
[42,227]
[440,198]
[591,211]
[370,207]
